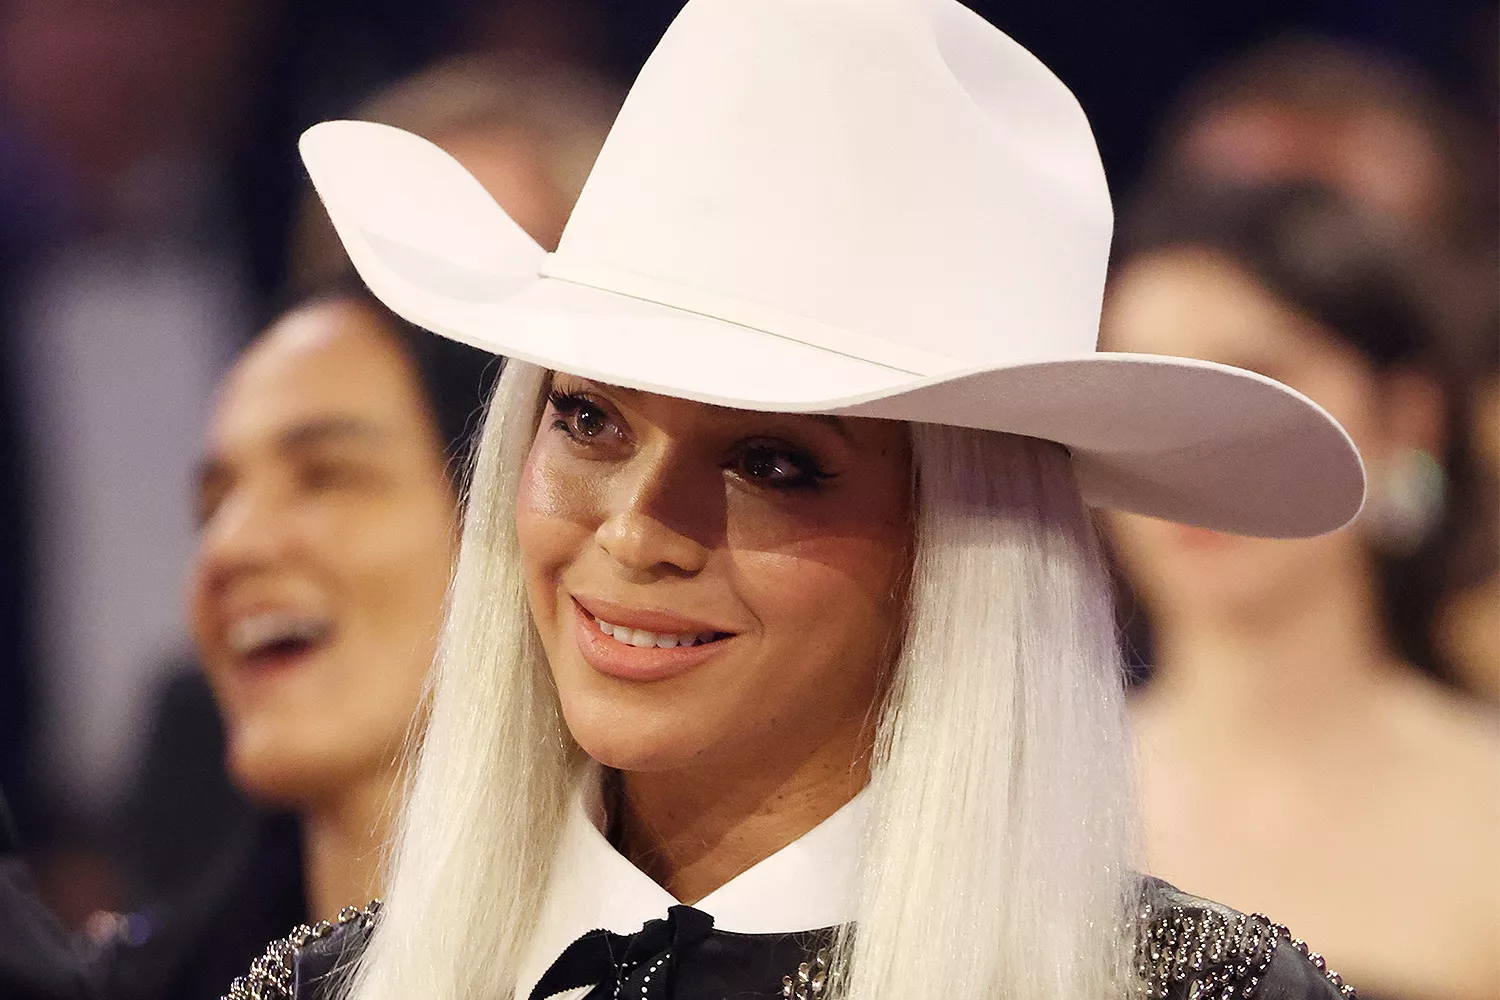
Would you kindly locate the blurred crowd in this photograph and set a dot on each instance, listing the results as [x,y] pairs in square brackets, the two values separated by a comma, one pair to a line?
[194,388]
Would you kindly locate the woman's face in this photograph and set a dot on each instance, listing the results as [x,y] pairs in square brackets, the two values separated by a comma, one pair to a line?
[1196,304]
[712,586]
[328,530]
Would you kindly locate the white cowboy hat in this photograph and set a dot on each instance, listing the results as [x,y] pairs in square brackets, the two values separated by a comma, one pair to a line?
[882,208]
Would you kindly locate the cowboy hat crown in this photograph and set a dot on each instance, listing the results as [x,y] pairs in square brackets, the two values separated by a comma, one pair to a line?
[882,208]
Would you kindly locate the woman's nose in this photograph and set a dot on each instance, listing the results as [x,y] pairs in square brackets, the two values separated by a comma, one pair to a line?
[248,531]
[645,535]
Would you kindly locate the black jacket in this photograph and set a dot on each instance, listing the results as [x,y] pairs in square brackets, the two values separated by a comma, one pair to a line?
[1187,948]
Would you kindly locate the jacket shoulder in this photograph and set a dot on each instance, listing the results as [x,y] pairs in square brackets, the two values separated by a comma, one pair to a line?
[301,966]
[1195,949]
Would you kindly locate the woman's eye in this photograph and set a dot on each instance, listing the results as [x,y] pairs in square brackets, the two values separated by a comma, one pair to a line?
[779,466]
[318,476]
[208,505]
[579,417]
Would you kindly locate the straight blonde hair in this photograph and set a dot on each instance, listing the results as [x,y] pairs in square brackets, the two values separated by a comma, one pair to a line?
[996,862]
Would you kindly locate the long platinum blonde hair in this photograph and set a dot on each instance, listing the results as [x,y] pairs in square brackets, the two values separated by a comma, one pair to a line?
[996,863]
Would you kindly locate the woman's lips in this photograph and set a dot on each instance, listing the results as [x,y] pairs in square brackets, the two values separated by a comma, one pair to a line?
[661,622]
[281,656]
[626,654]
[276,639]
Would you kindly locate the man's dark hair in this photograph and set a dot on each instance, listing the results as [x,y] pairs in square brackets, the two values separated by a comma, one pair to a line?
[455,379]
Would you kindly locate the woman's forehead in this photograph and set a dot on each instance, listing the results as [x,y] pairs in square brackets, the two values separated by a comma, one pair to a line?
[324,362]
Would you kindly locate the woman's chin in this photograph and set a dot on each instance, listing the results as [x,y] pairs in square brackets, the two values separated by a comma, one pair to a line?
[637,755]
[269,780]
[633,744]
[273,768]
[634,727]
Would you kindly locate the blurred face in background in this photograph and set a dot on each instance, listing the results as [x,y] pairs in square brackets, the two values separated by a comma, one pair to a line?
[512,167]
[328,531]
[1200,304]
[1373,155]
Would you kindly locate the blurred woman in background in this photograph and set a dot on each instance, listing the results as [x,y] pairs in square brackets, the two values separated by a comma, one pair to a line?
[1374,129]
[328,503]
[1292,758]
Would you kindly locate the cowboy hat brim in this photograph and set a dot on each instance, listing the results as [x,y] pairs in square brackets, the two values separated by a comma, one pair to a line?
[1190,441]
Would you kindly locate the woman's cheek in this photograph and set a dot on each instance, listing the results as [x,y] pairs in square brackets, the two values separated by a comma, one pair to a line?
[810,590]
[552,530]
[539,515]
[556,486]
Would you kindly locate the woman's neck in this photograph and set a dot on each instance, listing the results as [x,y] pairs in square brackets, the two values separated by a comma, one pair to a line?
[1307,660]
[692,831]
[342,844]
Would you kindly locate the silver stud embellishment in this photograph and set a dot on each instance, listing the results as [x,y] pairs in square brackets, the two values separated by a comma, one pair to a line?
[1213,955]
[271,975]
[810,981]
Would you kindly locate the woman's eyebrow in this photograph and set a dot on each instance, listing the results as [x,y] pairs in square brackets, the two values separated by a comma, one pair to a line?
[835,423]
[319,431]
[587,384]
[839,426]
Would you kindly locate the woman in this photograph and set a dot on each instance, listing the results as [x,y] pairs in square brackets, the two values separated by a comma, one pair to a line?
[745,617]
[1283,670]
[328,507]
[328,502]
[329,499]
[1377,132]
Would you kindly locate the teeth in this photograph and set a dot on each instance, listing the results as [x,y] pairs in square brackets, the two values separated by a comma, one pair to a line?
[645,640]
[259,631]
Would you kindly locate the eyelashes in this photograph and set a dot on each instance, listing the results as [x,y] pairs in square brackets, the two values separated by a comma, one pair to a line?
[566,402]
[778,465]
[579,417]
[765,462]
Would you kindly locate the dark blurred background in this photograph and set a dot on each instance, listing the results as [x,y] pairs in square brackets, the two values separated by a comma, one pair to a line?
[148,183]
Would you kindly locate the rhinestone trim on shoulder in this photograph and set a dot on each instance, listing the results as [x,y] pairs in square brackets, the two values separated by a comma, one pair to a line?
[270,975]
[1300,946]
[1217,957]
[811,980]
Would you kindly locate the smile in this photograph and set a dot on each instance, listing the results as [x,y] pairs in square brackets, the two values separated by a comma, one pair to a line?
[276,638]
[642,639]
[633,652]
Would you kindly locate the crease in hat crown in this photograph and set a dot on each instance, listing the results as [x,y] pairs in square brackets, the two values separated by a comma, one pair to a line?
[728,175]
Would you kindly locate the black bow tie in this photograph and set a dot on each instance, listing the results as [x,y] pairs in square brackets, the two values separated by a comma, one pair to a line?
[626,966]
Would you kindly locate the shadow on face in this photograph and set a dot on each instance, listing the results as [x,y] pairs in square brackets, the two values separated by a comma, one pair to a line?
[712,586]
[327,534]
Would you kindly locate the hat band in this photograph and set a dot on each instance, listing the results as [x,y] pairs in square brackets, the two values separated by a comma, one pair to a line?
[859,346]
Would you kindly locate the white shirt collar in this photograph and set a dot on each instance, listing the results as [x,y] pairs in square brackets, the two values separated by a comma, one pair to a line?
[808,884]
